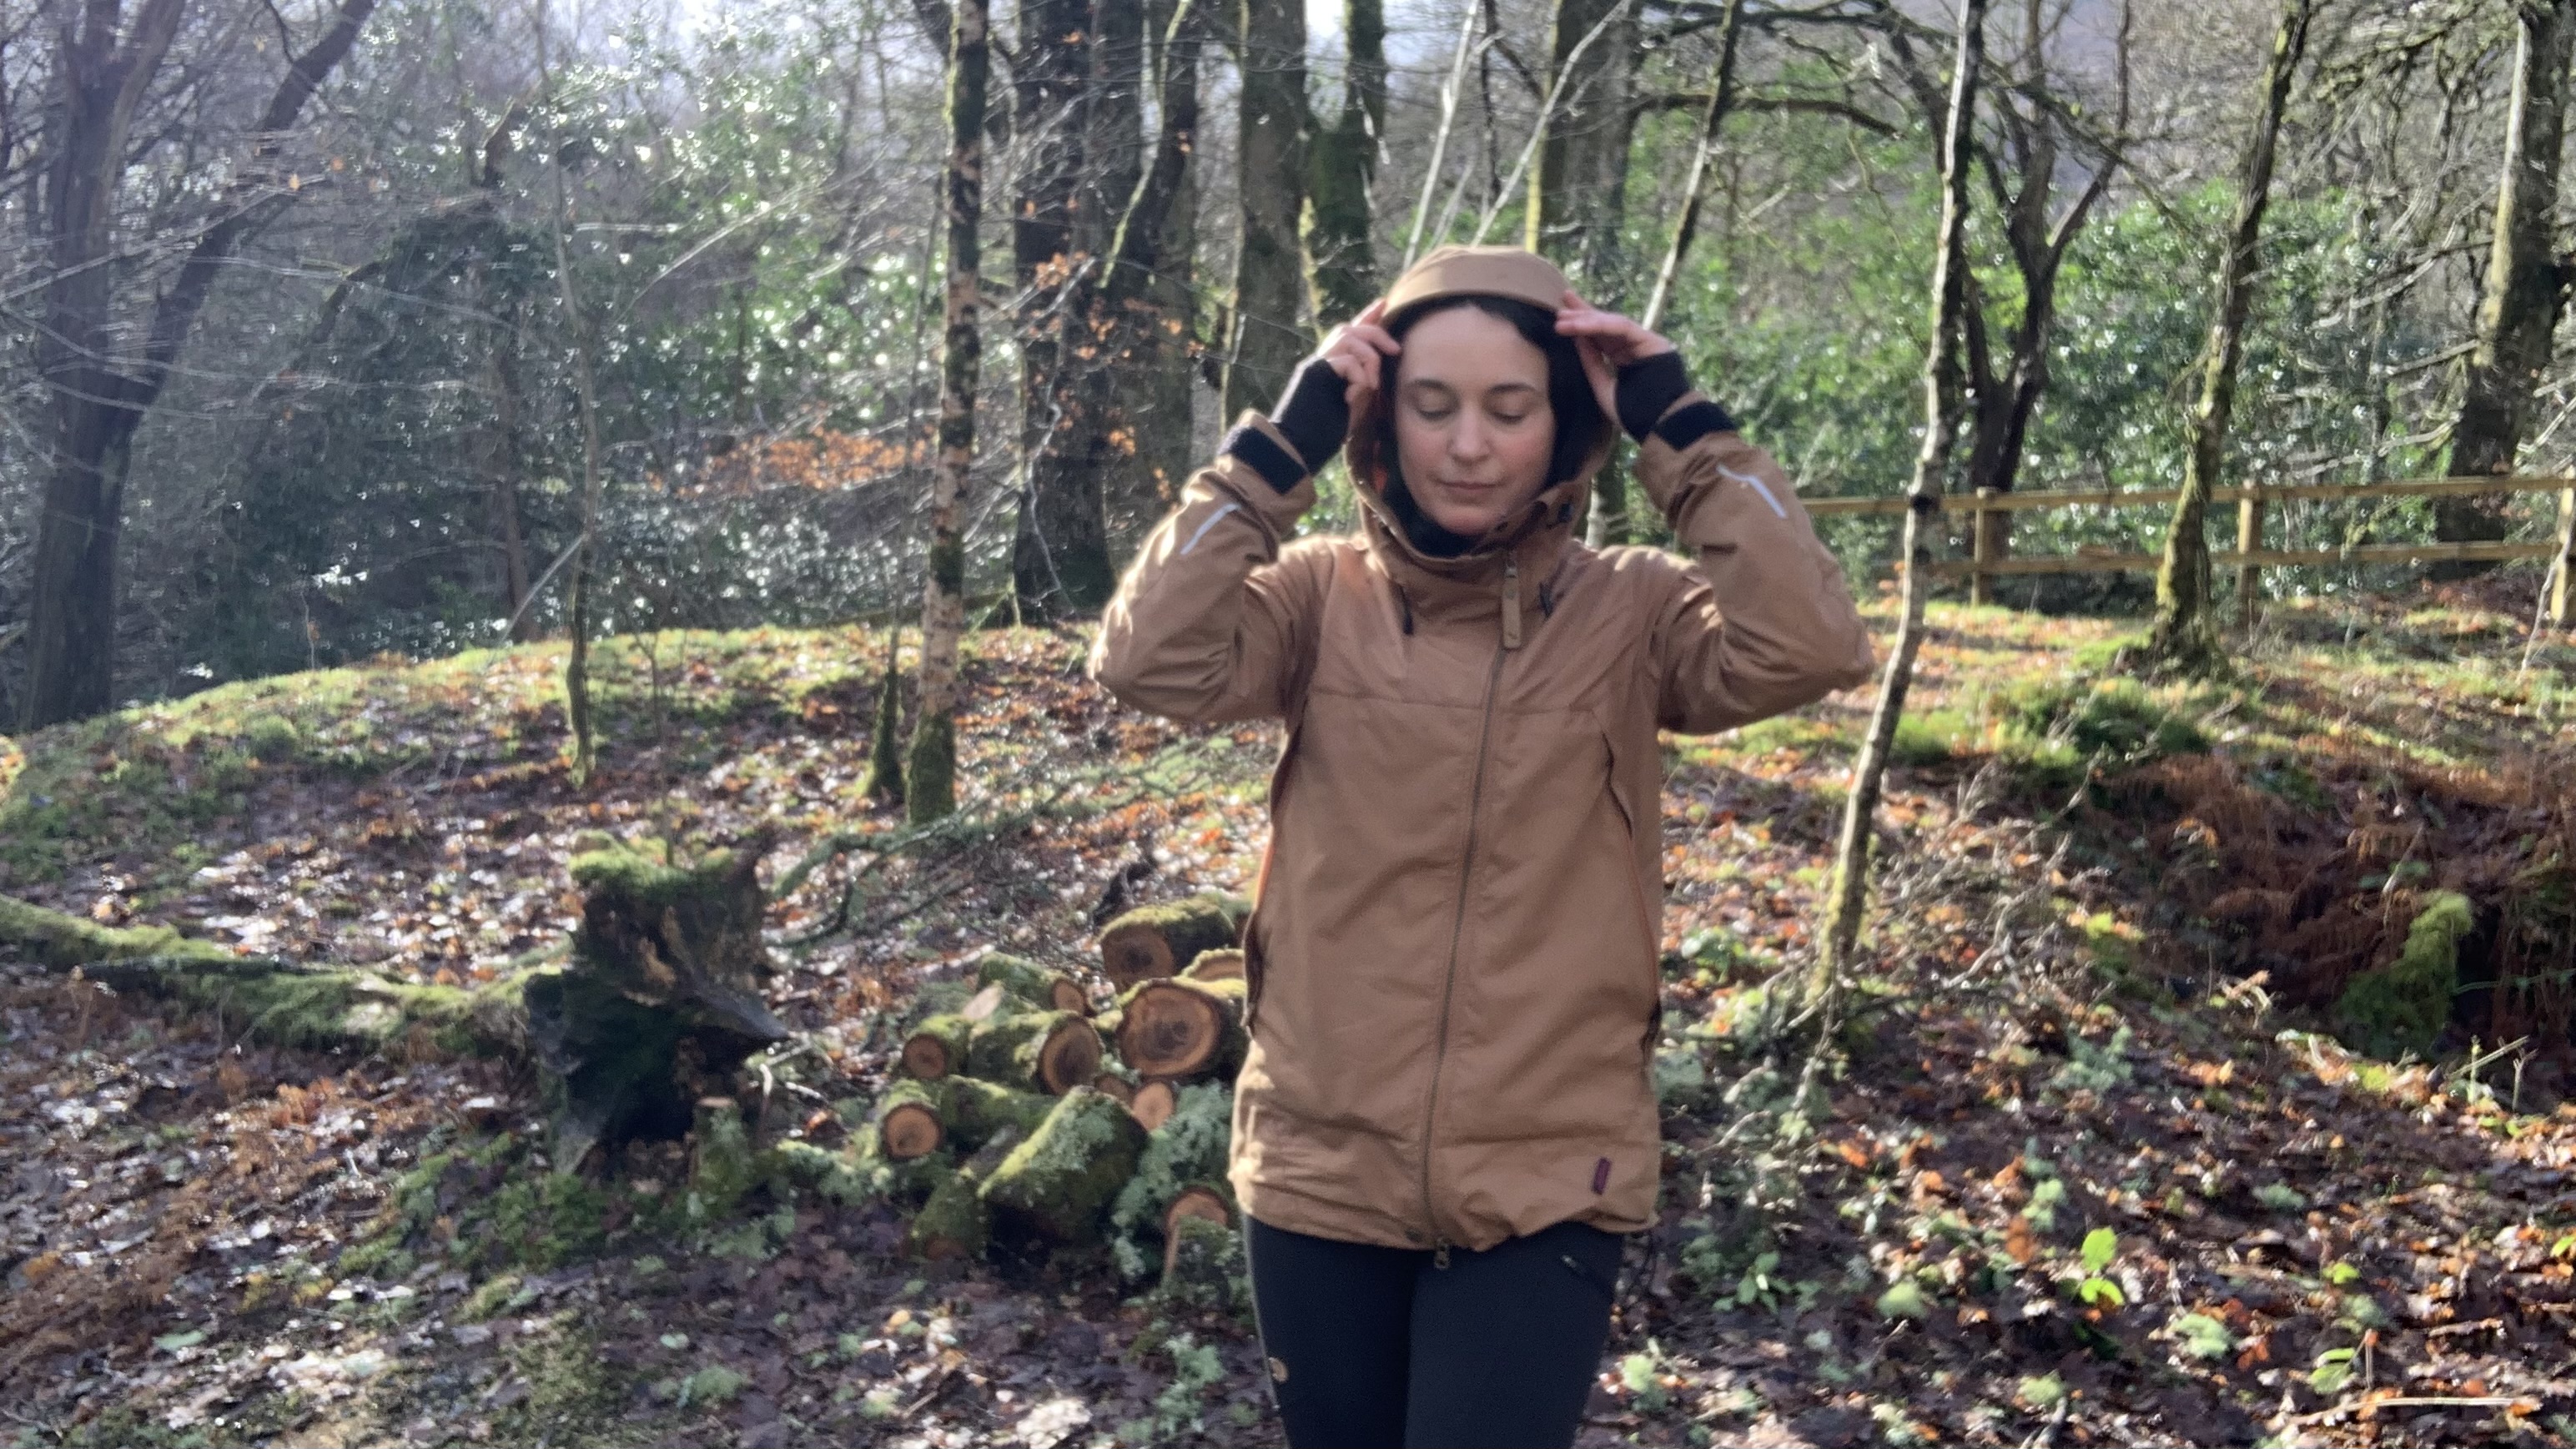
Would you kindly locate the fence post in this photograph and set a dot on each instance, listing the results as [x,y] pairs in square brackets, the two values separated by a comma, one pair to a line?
[1981,548]
[2562,589]
[2249,539]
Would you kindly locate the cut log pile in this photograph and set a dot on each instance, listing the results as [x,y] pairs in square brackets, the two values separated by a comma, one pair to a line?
[1027,1114]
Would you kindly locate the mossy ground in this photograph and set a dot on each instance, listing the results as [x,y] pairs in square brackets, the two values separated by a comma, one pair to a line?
[614,1318]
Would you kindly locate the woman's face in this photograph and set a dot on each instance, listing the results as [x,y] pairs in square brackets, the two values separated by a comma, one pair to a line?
[1473,429]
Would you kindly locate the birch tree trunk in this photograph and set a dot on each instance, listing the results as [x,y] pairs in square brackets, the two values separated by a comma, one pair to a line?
[1848,899]
[931,787]
[2185,636]
[578,581]
[1268,277]
[2526,287]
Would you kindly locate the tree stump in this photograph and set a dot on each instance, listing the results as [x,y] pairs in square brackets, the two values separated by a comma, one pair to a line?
[1182,1029]
[660,1000]
[1155,941]
[1056,1187]
[1046,1051]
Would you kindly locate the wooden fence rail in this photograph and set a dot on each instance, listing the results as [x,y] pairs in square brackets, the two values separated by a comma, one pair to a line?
[2249,556]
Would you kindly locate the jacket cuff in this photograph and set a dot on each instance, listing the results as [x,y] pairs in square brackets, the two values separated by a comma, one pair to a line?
[1278,505]
[1257,440]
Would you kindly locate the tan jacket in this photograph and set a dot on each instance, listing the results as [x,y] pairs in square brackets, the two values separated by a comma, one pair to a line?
[1453,955]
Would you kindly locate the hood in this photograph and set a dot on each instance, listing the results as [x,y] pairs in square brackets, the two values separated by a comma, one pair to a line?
[1542,526]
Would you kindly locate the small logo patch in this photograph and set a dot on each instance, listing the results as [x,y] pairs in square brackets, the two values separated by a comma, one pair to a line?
[1601,1177]
[1278,1371]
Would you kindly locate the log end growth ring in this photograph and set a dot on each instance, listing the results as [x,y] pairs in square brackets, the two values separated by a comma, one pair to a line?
[1169,1031]
[911,1130]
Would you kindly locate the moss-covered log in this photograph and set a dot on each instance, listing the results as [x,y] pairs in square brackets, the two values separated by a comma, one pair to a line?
[953,1221]
[1057,1186]
[912,1120]
[1207,1200]
[1046,1051]
[1183,1029]
[1158,940]
[1203,1268]
[1225,965]
[282,1003]
[981,1111]
[937,1047]
[1037,985]
[1185,1157]
[1114,1085]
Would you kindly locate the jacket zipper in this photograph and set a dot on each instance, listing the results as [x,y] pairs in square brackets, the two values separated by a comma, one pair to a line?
[1509,641]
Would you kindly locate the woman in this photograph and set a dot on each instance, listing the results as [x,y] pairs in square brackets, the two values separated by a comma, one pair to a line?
[1446,1121]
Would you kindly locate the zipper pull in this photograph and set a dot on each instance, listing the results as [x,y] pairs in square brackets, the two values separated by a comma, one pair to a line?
[1511,603]
[1440,1256]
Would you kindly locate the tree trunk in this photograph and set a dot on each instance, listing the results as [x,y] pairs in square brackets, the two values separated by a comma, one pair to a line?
[98,401]
[2185,636]
[2526,287]
[930,783]
[577,582]
[1848,898]
[1060,547]
[1578,193]
[1343,275]
[1267,341]
[1157,255]
[1035,1051]
[500,458]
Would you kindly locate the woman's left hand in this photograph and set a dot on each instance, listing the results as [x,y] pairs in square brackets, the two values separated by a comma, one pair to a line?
[1607,342]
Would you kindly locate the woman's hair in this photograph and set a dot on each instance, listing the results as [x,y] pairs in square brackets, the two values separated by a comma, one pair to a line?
[1579,423]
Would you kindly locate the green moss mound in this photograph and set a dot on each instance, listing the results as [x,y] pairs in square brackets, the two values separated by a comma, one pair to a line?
[2402,1007]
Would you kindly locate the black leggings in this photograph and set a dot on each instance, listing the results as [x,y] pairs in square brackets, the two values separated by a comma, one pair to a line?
[1372,1348]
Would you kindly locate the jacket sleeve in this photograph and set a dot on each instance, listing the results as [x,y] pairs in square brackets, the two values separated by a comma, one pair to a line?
[1209,624]
[1761,622]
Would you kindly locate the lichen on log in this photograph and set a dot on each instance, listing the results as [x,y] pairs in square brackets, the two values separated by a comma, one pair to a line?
[1203,1269]
[1186,1152]
[1056,1187]
[1157,940]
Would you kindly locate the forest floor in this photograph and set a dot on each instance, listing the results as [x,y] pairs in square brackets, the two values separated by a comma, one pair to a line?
[2093,1170]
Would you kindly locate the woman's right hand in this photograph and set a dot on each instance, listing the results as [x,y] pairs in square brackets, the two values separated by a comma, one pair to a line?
[1357,351]
[1326,389]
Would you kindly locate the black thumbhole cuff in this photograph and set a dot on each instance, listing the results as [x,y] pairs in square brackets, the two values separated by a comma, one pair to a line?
[1647,388]
[1690,424]
[1276,465]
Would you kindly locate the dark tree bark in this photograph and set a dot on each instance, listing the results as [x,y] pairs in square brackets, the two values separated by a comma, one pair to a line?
[1154,285]
[931,771]
[100,392]
[1060,551]
[1268,278]
[2526,284]
[1342,276]
[1848,898]
[1577,195]
[2185,636]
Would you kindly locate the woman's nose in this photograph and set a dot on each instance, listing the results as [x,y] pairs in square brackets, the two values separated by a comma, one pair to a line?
[1467,441]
